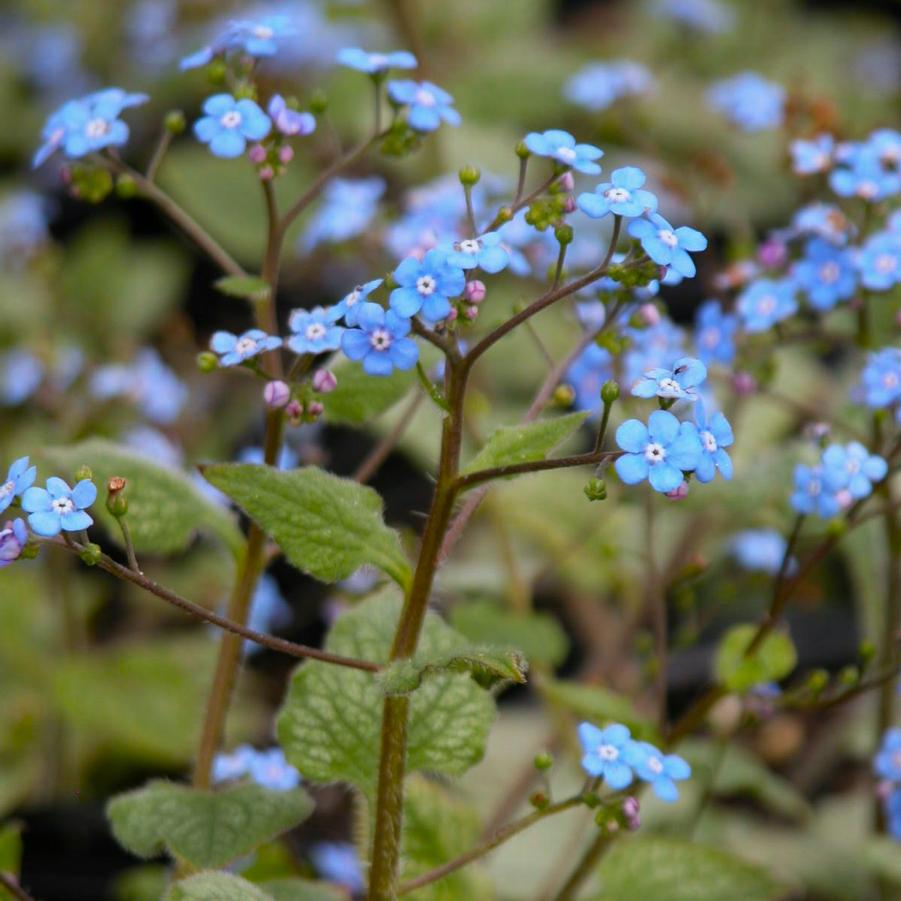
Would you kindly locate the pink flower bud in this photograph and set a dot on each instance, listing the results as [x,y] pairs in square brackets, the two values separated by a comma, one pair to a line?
[678,494]
[470,313]
[286,154]
[314,408]
[276,394]
[631,807]
[475,291]
[257,153]
[772,252]
[324,381]
[649,313]
[266,173]
[569,205]
[633,824]
[744,384]
[294,410]
[451,316]
[566,181]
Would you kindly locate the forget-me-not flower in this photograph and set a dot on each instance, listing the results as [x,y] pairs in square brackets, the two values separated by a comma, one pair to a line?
[428,105]
[881,378]
[380,341]
[349,305]
[314,330]
[254,37]
[759,549]
[348,207]
[13,537]
[816,491]
[58,507]
[19,478]
[887,762]
[660,451]
[270,770]
[749,101]
[608,753]
[599,85]
[826,273]
[810,157]
[426,286]
[622,195]
[715,333]
[339,862]
[375,63]
[661,770]
[854,468]
[879,261]
[229,124]
[666,245]
[235,349]
[714,435]
[484,252]
[678,383]
[765,302]
[287,121]
[561,146]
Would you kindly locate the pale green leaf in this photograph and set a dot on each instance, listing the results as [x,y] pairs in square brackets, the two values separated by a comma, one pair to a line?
[206,828]
[665,869]
[775,658]
[216,887]
[303,890]
[524,443]
[538,635]
[883,856]
[10,848]
[248,287]
[327,526]
[165,508]
[360,397]
[331,721]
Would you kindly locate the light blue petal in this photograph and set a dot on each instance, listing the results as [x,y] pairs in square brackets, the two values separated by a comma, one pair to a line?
[377,363]
[405,301]
[355,344]
[228,144]
[632,436]
[617,775]
[663,427]
[36,500]
[75,521]
[84,494]
[44,524]
[631,468]
[665,477]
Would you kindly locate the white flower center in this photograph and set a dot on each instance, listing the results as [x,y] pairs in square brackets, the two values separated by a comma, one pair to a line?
[264,32]
[426,285]
[7,489]
[886,262]
[315,331]
[710,337]
[470,246]
[608,752]
[890,380]
[354,296]
[246,346]
[378,60]
[844,498]
[669,387]
[62,505]
[654,453]
[380,339]
[617,195]
[424,98]
[766,304]
[829,272]
[813,487]
[96,128]
[668,236]
[655,765]
[853,465]
[867,189]
[708,441]
[231,119]
[567,154]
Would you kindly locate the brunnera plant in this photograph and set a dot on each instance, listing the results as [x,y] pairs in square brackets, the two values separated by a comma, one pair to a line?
[397,692]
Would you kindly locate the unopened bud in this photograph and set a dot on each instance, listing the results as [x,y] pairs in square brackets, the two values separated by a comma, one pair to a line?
[649,314]
[610,392]
[539,800]
[116,499]
[207,361]
[564,395]
[566,181]
[631,807]
[324,381]
[469,175]
[470,313]
[126,187]
[564,234]
[257,154]
[175,122]
[595,489]
[91,554]
[817,681]
[267,173]
[744,384]
[216,71]
[504,214]
[294,410]
[452,316]
[849,675]
[83,473]
[522,151]
[475,291]
[569,205]
[318,102]
[315,409]
[543,761]
[680,493]
[285,154]
[772,252]
[866,651]
[276,394]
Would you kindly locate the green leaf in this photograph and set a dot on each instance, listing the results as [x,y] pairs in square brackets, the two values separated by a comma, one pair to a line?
[208,829]
[331,721]
[524,443]
[486,663]
[437,828]
[249,287]
[165,508]
[303,890]
[665,869]
[327,526]
[538,635]
[10,848]
[598,705]
[216,887]
[771,661]
[359,397]
[881,855]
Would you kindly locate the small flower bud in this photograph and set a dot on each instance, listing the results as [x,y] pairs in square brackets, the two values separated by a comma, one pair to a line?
[569,205]
[175,122]
[285,154]
[91,555]
[610,392]
[451,317]
[207,361]
[116,499]
[318,102]
[595,489]
[564,395]
[866,651]
[324,381]
[267,173]
[257,153]
[522,151]
[294,410]
[543,761]
[30,551]
[817,681]
[315,409]
[475,291]
[564,234]
[504,214]
[276,394]
[470,313]
[591,800]
[849,675]
[126,187]
[649,313]
[216,71]
[469,175]
[539,800]
[772,252]
[631,807]
[744,384]
[566,181]
[678,494]
[83,473]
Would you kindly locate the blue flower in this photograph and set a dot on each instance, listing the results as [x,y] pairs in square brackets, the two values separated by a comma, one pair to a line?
[255,37]
[23,226]
[666,245]
[678,383]
[561,146]
[349,306]
[268,609]
[879,261]
[600,85]
[749,101]
[229,124]
[622,195]
[589,371]
[314,330]
[426,286]
[651,348]
[380,341]
[348,207]
[893,813]
[232,766]
[270,770]
[87,125]
[147,382]
[864,178]
[428,104]
[854,468]
[701,15]
[289,121]
[766,302]
[715,333]
[816,490]
[823,220]
[19,478]
[608,753]
[484,252]
[13,537]
[659,452]
[810,157]
[759,549]
[826,273]
[662,771]
[339,862]
[887,762]
[881,378]
[59,507]
[235,349]
[713,436]
[287,458]
[375,63]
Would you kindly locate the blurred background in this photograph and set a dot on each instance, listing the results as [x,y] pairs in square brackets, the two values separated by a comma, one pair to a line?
[103,308]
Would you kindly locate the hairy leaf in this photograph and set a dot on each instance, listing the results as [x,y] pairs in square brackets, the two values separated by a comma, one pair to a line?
[774,658]
[216,887]
[359,397]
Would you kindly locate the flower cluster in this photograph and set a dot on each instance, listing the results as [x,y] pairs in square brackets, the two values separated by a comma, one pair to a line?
[613,755]
[266,768]
[845,474]
[600,85]
[887,765]
[749,101]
